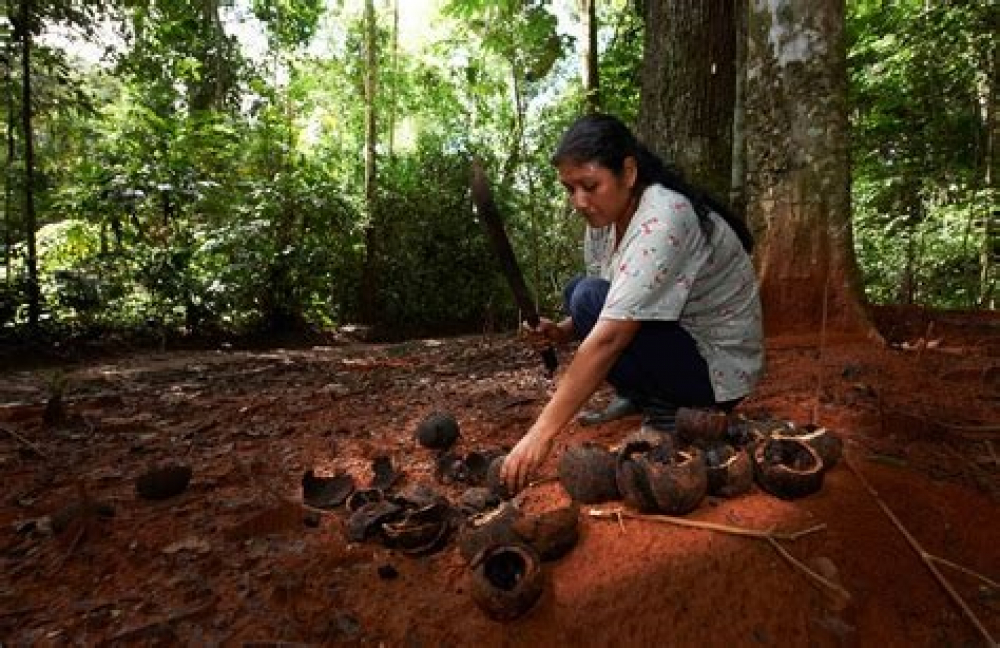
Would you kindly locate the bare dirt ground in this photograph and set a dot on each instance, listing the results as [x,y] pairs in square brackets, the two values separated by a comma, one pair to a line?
[235,559]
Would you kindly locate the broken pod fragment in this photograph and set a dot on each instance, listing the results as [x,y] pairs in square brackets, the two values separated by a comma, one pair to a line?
[656,477]
[827,445]
[787,467]
[729,471]
[507,580]
[701,426]
[587,472]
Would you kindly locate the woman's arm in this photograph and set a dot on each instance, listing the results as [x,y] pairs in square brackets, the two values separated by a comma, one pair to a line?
[591,364]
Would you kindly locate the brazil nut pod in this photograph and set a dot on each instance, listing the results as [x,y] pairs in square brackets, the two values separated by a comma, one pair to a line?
[631,469]
[703,427]
[438,431]
[827,445]
[587,472]
[678,482]
[729,471]
[507,580]
[787,467]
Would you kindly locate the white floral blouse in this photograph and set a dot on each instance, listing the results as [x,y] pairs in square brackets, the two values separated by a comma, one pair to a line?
[667,269]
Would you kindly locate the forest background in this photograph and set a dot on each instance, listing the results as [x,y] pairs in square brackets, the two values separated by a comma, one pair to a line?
[263,166]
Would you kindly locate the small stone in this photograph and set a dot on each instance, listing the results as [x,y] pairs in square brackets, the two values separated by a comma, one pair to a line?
[387,572]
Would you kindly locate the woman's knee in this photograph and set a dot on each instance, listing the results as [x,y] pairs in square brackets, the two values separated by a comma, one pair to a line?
[586,299]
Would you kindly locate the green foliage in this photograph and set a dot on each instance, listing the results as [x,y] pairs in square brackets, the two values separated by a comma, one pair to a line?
[918,74]
[621,60]
[198,189]
[290,22]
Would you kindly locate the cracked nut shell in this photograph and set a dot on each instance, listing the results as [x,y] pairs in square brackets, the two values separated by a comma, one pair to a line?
[630,471]
[827,445]
[552,533]
[494,527]
[703,427]
[421,531]
[678,482]
[507,581]
[494,477]
[729,471]
[587,472]
[787,467]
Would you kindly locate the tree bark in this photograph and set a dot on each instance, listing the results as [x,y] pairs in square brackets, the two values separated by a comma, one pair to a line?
[369,279]
[689,86]
[798,169]
[990,252]
[30,221]
[737,185]
[395,80]
[8,184]
[589,70]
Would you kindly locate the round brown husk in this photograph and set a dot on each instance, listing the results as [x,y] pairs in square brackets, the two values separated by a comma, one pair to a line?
[587,472]
[507,581]
[787,467]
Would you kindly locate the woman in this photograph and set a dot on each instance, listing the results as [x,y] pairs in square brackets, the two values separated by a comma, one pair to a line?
[671,311]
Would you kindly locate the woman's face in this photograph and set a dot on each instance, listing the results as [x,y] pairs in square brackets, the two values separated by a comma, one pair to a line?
[600,196]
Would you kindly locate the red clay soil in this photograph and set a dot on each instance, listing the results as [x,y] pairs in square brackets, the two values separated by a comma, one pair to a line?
[230,560]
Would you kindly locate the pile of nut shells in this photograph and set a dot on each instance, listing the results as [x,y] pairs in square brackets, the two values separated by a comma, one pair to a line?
[503,541]
[670,469]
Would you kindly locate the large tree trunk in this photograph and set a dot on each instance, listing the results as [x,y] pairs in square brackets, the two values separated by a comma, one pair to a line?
[589,74]
[738,183]
[369,279]
[8,181]
[797,165]
[990,252]
[214,52]
[395,80]
[30,222]
[688,88]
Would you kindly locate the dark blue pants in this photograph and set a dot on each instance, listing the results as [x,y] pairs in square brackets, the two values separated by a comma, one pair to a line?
[661,363]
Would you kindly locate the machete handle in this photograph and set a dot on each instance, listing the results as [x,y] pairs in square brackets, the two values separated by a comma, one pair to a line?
[548,353]
[549,358]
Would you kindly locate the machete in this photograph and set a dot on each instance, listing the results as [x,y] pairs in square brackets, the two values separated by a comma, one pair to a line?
[486,209]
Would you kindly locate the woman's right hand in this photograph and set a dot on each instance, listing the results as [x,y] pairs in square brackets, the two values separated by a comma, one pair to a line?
[525,458]
[546,335]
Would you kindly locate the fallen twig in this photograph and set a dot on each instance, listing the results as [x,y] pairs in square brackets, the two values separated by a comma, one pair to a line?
[964,570]
[822,580]
[20,438]
[770,536]
[618,513]
[971,431]
[927,558]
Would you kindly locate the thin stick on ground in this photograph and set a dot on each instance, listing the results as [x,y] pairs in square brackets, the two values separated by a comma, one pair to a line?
[798,564]
[771,537]
[617,513]
[925,557]
[964,570]
[20,438]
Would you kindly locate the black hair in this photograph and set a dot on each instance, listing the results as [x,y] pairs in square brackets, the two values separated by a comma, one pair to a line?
[606,140]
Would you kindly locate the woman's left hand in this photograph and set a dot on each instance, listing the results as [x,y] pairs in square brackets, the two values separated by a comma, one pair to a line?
[525,458]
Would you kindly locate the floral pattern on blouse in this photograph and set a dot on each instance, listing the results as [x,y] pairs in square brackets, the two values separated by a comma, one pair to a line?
[667,269]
